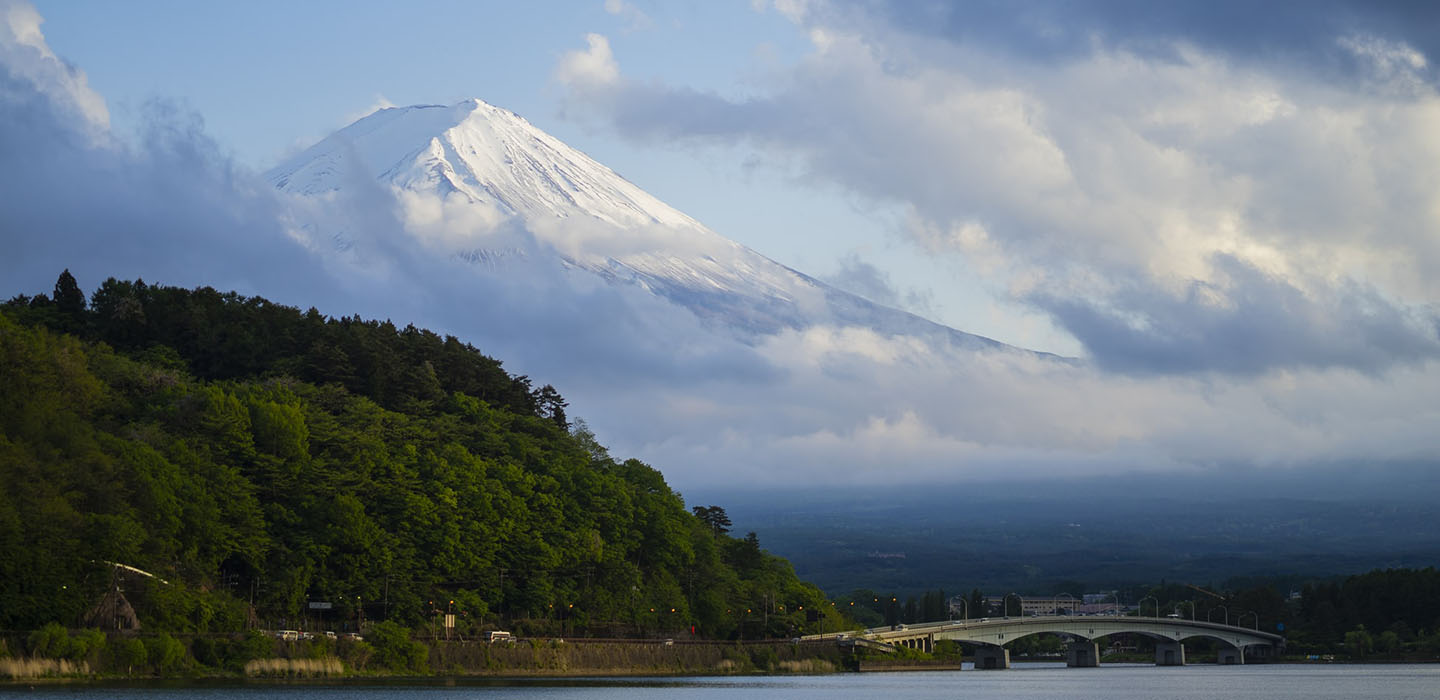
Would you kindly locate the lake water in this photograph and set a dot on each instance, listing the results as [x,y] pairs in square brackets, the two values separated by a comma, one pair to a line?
[1025,682]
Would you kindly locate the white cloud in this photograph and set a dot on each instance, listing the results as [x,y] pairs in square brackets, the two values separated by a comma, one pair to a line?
[837,404]
[380,102]
[590,69]
[1395,64]
[635,19]
[25,54]
[794,10]
[1123,182]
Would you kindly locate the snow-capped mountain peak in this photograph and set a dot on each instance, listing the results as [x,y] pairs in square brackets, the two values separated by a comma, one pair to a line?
[592,218]
[481,151]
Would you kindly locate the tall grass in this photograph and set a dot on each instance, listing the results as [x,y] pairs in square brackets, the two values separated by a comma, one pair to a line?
[294,668]
[549,658]
[18,668]
[807,666]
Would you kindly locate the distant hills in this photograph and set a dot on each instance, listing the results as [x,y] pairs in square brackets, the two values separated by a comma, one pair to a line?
[1077,536]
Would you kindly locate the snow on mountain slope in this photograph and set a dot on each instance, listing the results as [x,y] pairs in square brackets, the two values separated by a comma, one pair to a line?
[497,163]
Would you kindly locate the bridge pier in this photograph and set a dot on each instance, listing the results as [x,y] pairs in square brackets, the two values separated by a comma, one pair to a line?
[1169,654]
[990,657]
[1082,653]
[1258,653]
[925,644]
[1229,656]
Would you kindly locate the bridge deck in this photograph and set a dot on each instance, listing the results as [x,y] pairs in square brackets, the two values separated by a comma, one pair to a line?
[1001,630]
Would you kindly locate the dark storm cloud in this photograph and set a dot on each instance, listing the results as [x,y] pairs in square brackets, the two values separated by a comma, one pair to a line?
[1287,30]
[1258,322]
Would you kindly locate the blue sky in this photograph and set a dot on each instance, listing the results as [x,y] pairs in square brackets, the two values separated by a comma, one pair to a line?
[1227,211]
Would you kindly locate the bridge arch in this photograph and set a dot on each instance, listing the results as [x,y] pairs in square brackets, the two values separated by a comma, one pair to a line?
[992,635]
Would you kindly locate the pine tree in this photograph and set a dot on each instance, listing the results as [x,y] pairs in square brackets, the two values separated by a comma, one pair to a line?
[715,517]
[68,298]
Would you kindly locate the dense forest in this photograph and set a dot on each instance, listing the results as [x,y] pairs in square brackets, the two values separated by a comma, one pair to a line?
[254,459]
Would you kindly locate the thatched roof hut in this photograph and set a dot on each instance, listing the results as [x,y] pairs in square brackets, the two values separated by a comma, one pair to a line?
[113,612]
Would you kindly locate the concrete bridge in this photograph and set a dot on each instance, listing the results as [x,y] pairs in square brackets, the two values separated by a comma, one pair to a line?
[988,637]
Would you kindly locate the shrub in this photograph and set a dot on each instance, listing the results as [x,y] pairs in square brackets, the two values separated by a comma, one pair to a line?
[50,641]
[165,653]
[255,645]
[764,658]
[205,651]
[321,647]
[128,653]
[394,649]
[357,653]
[85,644]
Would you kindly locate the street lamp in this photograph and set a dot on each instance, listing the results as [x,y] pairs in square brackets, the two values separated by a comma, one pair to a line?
[1239,620]
[1005,604]
[1218,607]
[1140,607]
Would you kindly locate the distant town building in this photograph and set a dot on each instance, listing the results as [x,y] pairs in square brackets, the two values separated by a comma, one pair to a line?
[1089,604]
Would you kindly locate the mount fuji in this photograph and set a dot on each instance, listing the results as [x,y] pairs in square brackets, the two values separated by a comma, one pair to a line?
[508,174]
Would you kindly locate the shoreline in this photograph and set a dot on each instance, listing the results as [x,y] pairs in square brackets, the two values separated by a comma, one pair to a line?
[547,676]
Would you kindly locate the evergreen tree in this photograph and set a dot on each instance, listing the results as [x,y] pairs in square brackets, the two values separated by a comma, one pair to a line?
[68,298]
[714,517]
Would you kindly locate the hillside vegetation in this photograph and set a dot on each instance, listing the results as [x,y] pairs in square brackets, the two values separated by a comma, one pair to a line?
[258,458]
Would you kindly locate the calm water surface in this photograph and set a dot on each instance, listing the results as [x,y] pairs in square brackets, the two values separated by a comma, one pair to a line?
[1026,682]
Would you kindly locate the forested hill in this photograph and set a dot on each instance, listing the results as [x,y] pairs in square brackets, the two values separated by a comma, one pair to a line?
[220,336]
[257,459]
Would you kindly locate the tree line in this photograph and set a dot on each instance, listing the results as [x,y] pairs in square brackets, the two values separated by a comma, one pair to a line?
[1394,612]
[1390,611]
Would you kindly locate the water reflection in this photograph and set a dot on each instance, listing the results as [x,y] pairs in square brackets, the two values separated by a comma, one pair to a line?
[1028,681]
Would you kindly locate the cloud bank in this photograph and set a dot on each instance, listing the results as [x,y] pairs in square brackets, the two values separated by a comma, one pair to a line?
[1167,192]
[1246,302]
